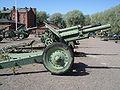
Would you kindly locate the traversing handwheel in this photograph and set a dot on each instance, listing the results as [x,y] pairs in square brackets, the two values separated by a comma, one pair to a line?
[58,58]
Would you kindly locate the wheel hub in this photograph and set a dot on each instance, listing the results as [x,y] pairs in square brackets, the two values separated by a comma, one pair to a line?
[59,59]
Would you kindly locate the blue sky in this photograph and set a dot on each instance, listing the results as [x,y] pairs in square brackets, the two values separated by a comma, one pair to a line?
[63,6]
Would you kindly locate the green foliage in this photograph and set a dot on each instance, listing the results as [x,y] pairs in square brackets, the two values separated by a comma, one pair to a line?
[87,20]
[4,15]
[74,17]
[111,16]
[0,15]
[40,17]
[57,19]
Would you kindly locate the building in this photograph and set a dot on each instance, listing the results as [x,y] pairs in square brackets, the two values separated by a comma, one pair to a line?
[25,15]
[9,24]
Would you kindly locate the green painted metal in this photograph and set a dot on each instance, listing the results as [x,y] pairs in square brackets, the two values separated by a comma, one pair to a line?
[58,58]
[18,59]
[22,54]
[103,27]
[20,33]
[69,28]
[52,29]
[70,34]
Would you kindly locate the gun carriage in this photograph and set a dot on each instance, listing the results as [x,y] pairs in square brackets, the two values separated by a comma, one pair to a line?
[57,56]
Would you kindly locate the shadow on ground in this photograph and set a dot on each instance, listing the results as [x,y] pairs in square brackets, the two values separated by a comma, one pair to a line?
[82,54]
[78,69]
[87,47]
[1,84]
[33,72]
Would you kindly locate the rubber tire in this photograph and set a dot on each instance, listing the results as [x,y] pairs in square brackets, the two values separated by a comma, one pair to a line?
[26,35]
[1,38]
[54,45]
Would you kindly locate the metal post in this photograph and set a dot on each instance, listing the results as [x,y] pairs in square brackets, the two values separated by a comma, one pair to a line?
[16,13]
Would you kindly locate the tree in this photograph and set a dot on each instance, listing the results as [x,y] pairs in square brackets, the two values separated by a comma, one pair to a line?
[57,19]
[4,15]
[87,20]
[40,17]
[74,17]
[0,15]
[111,16]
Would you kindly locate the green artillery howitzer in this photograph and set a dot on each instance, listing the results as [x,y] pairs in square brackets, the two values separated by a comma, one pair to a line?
[22,32]
[18,34]
[57,55]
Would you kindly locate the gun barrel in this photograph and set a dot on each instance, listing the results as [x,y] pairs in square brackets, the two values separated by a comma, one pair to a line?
[90,26]
[73,33]
[98,28]
[32,28]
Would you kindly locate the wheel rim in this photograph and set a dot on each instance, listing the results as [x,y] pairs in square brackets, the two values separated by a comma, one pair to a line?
[21,36]
[58,58]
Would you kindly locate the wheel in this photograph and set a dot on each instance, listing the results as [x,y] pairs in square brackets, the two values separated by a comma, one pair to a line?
[9,35]
[58,58]
[26,35]
[1,38]
[21,36]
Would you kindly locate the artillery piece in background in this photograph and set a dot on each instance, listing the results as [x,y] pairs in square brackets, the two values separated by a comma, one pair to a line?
[57,57]
[22,32]
[18,34]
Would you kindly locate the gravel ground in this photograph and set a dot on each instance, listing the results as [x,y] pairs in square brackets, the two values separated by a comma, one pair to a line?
[97,67]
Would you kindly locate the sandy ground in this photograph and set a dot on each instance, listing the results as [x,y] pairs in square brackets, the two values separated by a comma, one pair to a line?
[96,67]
